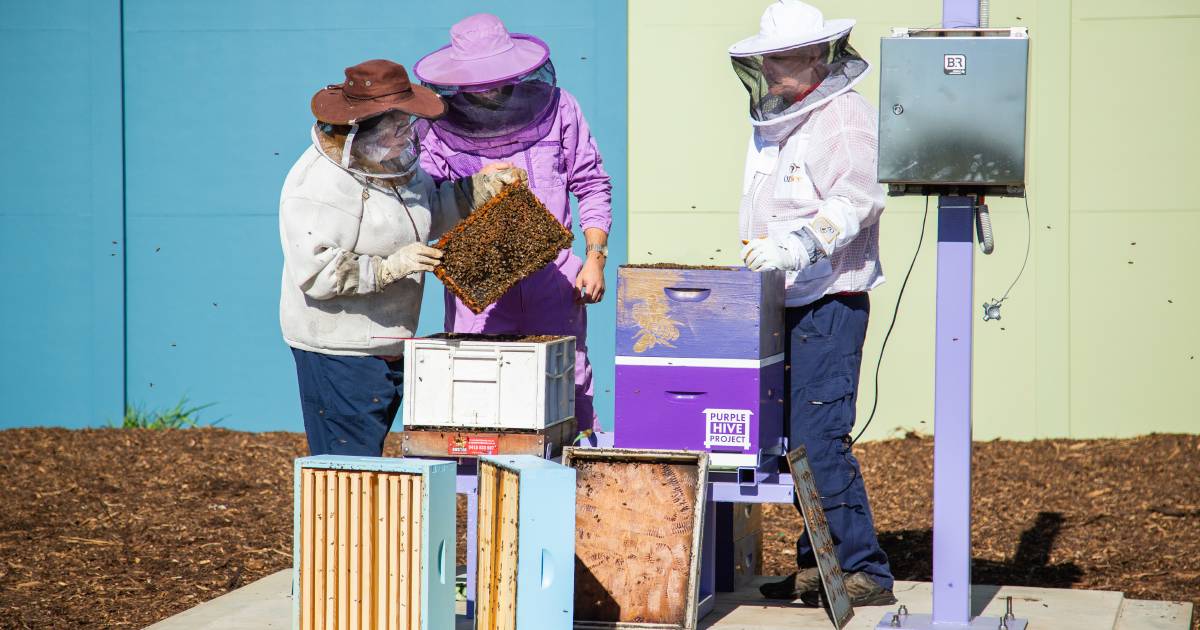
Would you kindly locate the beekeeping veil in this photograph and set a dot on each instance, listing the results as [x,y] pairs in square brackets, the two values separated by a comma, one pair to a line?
[383,146]
[498,119]
[796,61]
[499,87]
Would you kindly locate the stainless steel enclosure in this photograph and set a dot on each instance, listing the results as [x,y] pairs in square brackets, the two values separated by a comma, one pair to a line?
[952,111]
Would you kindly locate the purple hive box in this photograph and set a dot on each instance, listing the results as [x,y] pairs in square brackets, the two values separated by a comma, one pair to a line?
[700,362]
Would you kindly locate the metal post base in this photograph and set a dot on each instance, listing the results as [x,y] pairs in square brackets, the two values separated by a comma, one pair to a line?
[891,621]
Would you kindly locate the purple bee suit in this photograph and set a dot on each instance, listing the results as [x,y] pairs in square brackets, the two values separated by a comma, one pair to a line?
[563,161]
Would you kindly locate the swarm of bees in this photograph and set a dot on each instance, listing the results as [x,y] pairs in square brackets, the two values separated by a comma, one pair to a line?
[508,238]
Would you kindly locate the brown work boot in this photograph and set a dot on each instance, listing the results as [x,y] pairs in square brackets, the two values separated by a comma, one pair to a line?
[862,589]
[792,586]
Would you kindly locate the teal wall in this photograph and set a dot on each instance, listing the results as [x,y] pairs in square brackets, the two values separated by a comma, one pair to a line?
[215,112]
[61,241]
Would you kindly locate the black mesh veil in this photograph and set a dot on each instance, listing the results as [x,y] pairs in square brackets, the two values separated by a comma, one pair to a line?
[786,82]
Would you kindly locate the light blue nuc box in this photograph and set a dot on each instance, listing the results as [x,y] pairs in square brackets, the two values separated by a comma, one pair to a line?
[373,543]
[525,544]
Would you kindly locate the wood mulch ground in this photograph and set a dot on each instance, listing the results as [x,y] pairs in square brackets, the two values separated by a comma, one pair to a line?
[120,528]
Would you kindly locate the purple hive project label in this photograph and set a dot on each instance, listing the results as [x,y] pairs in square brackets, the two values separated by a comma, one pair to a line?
[727,428]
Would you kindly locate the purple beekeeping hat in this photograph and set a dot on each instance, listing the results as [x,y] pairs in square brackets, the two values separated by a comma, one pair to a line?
[482,51]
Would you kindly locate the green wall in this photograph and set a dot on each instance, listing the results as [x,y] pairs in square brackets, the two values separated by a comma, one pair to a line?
[1099,338]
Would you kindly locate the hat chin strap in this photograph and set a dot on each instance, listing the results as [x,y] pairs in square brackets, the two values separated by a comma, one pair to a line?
[346,146]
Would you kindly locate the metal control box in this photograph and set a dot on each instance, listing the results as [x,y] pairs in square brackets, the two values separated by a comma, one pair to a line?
[952,105]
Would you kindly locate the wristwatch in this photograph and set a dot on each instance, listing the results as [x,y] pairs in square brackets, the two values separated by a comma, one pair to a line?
[601,249]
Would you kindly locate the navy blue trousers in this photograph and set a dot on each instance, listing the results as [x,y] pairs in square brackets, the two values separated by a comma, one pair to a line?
[824,352]
[349,403]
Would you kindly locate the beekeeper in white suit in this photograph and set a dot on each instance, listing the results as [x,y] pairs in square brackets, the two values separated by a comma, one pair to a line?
[354,216]
[810,206]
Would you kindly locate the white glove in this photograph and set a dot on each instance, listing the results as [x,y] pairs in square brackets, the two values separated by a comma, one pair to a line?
[786,253]
[410,259]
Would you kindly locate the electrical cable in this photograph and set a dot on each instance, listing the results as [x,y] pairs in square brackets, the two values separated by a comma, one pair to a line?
[1028,247]
[895,314]
[882,348]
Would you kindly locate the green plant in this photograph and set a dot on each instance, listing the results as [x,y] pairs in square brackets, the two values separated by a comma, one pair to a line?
[181,416]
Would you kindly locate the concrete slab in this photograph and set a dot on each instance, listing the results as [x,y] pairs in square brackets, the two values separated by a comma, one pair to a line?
[259,605]
[266,604]
[1140,614]
[1046,609]
[262,605]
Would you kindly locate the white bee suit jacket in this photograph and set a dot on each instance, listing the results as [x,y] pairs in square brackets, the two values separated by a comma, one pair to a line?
[335,228]
[818,170]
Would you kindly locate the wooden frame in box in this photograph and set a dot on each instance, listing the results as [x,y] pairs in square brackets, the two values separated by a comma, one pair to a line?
[363,527]
[535,239]
[526,544]
[639,520]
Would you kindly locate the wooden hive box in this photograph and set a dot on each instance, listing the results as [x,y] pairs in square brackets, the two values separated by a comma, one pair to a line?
[489,381]
[639,516]
[373,544]
[686,312]
[526,544]
[700,361]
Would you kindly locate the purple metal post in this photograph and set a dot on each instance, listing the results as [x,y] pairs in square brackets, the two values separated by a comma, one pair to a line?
[960,13]
[952,413]
[952,388]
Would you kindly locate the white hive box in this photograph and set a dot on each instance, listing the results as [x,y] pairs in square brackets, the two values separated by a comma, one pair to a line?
[489,382]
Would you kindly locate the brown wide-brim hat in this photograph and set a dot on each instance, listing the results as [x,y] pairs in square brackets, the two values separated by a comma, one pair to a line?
[372,88]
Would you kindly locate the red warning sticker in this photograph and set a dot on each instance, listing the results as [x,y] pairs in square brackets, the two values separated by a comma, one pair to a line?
[460,444]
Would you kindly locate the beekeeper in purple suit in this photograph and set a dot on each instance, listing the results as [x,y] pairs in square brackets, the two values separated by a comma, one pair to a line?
[503,105]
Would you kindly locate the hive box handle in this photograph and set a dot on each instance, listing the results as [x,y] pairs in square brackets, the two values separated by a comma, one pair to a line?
[684,396]
[687,294]
[547,568]
[441,562]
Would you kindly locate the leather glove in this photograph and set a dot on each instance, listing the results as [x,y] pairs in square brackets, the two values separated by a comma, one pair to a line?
[786,253]
[488,182]
[410,259]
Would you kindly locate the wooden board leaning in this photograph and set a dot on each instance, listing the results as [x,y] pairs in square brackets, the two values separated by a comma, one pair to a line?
[837,601]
